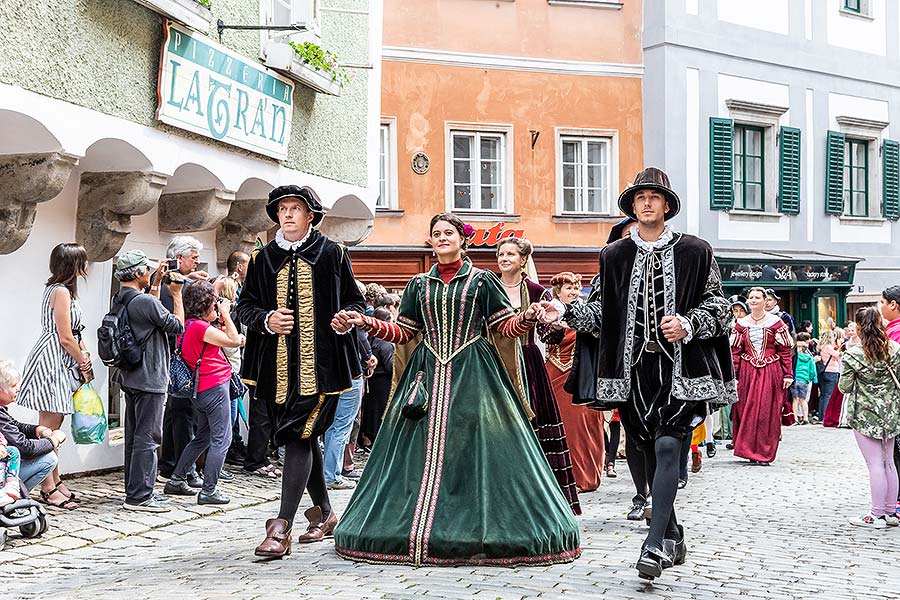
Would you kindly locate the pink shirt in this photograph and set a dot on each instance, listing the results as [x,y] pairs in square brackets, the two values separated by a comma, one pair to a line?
[214,369]
[828,351]
[893,330]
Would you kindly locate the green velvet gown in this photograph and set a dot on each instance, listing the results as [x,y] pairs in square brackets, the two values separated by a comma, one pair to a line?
[467,483]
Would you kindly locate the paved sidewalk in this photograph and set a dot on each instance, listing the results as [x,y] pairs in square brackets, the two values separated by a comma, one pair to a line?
[100,516]
[776,532]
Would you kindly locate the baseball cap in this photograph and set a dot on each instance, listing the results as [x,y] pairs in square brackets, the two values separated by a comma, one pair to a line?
[135,258]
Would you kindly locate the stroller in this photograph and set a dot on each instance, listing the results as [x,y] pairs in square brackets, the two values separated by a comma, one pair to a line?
[26,514]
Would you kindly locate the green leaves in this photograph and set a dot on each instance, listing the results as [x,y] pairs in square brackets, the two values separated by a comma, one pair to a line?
[321,60]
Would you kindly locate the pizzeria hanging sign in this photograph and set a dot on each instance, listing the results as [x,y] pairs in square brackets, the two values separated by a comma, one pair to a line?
[214,92]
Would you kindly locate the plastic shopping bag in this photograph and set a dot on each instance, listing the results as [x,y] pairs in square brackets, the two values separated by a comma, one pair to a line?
[89,420]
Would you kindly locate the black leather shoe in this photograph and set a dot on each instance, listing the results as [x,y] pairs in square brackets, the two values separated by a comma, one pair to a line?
[178,487]
[710,449]
[650,564]
[729,446]
[215,498]
[637,508]
[675,549]
[194,480]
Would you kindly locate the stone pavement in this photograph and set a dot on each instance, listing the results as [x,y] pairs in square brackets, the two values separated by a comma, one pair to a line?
[755,532]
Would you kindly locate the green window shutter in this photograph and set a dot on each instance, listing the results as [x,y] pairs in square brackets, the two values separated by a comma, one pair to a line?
[789,170]
[890,155]
[721,163]
[834,175]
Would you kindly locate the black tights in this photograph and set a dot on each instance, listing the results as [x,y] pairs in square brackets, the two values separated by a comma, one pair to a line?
[612,442]
[638,467]
[664,466]
[303,470]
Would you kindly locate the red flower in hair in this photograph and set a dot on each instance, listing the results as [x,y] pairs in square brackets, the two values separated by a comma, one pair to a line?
[468,230]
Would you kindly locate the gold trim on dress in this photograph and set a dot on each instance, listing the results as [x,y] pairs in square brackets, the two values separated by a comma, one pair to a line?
[281,351]
[306,330]
[311,420]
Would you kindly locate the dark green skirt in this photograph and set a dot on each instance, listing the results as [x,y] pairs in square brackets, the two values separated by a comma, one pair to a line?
[465,484]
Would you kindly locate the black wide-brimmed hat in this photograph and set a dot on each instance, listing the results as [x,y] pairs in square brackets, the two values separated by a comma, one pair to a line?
[650,178]
[304,194]
[615,234]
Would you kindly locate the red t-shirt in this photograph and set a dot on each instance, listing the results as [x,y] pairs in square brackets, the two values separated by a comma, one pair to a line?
[214,369]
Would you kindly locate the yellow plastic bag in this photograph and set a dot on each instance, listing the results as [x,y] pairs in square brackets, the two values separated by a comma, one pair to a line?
[89,420]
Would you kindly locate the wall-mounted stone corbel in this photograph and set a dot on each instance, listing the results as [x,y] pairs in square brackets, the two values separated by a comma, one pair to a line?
[25,181]
[106,203]
[186,212]
[245,221]
[348,231]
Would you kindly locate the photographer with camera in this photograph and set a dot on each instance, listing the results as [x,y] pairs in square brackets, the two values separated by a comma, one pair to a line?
[145,386]
[203,342]
[183,258]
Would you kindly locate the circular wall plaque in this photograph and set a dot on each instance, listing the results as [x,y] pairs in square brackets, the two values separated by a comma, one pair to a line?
[420,163]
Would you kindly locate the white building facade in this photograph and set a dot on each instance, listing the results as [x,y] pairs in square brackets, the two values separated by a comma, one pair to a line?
[778,123]
[143,122]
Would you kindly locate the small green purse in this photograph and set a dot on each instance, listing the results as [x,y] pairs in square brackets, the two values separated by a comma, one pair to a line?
[415,404]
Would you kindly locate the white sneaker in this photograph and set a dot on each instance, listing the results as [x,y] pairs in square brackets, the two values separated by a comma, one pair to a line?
[151,504]
[341,483]
[869,520]
[891,520]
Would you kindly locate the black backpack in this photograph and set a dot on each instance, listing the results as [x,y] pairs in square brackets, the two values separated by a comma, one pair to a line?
[116,343]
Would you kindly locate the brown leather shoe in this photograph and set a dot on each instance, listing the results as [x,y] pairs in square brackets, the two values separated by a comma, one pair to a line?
[317,530]
[278,539]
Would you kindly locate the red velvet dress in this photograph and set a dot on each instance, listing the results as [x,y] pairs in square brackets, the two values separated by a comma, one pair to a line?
[584,426]
[760,375]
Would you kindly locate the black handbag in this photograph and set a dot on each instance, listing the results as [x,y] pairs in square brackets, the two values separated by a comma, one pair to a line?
[183,380]
[415,403]
[237,387]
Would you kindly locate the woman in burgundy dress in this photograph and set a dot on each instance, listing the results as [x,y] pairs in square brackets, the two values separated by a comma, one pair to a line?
[512,256]
[761,350]
[584,426]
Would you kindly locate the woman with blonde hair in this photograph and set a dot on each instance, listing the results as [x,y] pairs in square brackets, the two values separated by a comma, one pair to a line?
[870,381]
[513,255]
[761,351]
[584,426]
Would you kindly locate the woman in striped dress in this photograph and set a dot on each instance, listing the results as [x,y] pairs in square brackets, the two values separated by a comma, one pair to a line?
[58,363]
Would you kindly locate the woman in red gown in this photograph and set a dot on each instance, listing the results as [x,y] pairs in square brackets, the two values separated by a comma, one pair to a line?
[584,426]
[761,350]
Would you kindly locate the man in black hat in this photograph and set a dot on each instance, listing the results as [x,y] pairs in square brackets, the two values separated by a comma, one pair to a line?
[663,323]
[298,363]
[772,306]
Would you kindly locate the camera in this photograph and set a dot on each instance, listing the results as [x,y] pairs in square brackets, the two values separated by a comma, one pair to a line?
[172,264]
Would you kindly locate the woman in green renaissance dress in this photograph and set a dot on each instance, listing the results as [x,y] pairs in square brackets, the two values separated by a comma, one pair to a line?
[456,475]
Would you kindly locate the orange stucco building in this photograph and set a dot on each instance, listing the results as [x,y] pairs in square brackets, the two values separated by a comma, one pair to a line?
[524,113]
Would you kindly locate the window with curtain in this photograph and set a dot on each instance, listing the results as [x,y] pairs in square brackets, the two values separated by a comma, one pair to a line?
[749,161]
[585,163]
[478,170]
[856,178]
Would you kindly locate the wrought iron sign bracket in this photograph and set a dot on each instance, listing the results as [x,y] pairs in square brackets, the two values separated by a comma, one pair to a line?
[221,27]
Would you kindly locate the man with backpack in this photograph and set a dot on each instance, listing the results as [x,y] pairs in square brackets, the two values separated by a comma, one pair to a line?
[145,383]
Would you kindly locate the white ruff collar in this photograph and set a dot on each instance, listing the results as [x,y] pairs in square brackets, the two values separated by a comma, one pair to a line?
[663,240]
[286,245]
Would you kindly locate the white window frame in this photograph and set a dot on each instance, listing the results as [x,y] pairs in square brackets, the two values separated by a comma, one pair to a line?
[865,10]
[298,7]
[611,137]
[871,131]
[505,131]
[390,199]
[769,118]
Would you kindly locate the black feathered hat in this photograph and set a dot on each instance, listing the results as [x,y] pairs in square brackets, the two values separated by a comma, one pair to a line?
[304,194]
[618,229]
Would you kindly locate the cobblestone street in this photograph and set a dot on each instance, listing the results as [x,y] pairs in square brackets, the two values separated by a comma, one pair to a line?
[777,532]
